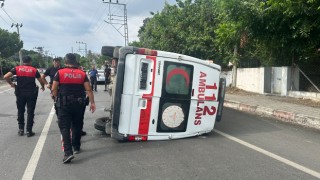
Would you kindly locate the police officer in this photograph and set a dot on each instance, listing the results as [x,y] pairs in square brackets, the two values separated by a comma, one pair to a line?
[26,92]
[68,88]
[51,72]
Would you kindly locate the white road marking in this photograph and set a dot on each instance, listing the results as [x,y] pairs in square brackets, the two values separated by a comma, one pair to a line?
[274,156]
[6,90]
[33,162]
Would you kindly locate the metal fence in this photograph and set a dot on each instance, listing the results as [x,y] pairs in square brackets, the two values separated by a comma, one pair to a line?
[309,78]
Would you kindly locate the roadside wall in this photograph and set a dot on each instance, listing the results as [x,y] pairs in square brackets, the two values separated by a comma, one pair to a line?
[251,79]
[282,81]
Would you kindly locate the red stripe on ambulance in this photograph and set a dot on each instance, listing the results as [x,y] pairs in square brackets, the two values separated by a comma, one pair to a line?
[145,114]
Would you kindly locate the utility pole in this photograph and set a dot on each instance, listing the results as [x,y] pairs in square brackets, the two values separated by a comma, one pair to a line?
[85,49]
[18,26]
[115,19]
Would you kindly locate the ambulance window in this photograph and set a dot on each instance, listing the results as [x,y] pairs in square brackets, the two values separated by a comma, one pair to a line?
[177,78]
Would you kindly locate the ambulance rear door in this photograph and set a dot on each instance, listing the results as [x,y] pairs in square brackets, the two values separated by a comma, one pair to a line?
[138,96]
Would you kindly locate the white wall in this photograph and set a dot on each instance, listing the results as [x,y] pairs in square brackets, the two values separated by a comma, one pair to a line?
[228,76]
[251,79]
[262,80]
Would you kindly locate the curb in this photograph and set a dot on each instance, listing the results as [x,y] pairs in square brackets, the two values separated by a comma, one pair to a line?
[285,116]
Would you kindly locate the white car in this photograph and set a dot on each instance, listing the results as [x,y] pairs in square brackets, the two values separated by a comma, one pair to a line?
[100,77]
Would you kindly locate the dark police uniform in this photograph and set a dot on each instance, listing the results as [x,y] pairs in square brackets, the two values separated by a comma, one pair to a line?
[26,92]
[70,103]
[51,72]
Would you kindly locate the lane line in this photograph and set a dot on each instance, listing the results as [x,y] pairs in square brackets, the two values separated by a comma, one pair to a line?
[33,162]
[5,90]
[274,156]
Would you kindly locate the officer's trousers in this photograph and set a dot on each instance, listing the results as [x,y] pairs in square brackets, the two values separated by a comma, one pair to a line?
[93,81]
[30,101]
[71,116]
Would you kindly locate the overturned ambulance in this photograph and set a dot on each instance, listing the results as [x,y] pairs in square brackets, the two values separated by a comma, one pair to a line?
[158,95]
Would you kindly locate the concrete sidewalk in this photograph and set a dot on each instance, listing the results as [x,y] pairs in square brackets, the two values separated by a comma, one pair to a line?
[296,111]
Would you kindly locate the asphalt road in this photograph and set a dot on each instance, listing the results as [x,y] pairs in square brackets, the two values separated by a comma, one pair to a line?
[242,146]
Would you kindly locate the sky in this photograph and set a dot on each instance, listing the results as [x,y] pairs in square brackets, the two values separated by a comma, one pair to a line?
[57,25]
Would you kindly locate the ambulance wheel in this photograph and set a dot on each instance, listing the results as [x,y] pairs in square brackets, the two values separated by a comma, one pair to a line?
[100,124]
[116,52]
[107,51]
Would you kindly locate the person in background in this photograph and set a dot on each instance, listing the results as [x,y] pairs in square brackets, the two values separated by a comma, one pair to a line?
[107,75]
[68,88]
[93,73]
[26,92]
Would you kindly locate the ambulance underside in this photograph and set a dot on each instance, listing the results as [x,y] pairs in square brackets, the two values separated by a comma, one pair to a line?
[160,95]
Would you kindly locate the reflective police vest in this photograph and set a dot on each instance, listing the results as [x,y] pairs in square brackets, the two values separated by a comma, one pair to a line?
[26,71]
[26,79]
[71,82]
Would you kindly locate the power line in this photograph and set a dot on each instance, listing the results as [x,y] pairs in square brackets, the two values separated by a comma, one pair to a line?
[8,14]
[96,15]
[4,20]
[116,20]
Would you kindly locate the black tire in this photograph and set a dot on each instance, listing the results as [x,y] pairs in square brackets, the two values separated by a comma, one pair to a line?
[107,51]
[116,52]
[100,124]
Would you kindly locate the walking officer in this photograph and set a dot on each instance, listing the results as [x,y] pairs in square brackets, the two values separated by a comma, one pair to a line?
[56,65]
[51,72]
[26,92]
[68,88]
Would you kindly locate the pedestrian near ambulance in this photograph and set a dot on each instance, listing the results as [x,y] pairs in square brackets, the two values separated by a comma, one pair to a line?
[93,73]
[26,92]
[107,76]
[68,88]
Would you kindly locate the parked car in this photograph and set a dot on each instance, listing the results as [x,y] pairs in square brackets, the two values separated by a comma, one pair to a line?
[100,77]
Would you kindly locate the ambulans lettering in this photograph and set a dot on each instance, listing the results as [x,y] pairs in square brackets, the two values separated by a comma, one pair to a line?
[203,110]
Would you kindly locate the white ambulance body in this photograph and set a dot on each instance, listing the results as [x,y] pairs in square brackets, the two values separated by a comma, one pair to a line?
[161,95]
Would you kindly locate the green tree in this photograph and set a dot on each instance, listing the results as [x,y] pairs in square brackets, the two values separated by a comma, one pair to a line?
[289,31]
[267,32]
[9,45]
[187,28]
